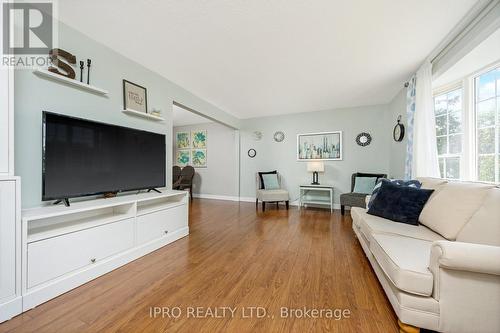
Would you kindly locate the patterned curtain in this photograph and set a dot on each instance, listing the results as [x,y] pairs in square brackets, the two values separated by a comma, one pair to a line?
[410,114]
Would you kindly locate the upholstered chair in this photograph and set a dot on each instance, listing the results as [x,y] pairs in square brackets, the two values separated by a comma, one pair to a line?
[354,199]
[271,196]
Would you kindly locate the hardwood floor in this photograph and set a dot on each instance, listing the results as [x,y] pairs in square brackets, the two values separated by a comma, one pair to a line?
[234,257]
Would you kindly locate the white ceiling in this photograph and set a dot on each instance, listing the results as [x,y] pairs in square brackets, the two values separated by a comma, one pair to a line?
[183,117]
[266,57]
[486,53]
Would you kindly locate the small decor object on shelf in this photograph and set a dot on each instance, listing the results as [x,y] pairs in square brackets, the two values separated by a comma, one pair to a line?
[134,97]
[183,140]
[82,64]
[199,158]
[54,56]
[279,136]
[199,139]
[88,70]
[315,167]
[252,153]
[363,139]
[183,157]
[156,113]
[399,131]
[319,146]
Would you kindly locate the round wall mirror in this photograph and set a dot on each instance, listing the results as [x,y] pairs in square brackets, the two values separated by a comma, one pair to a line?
[252,153]
[363,139]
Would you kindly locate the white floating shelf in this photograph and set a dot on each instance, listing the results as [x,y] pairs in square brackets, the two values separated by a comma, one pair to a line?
[143,115]
[56,77]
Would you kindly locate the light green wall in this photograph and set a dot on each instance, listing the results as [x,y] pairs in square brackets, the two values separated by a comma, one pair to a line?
[398,149]
[34,95]
[220,177]
[282,156]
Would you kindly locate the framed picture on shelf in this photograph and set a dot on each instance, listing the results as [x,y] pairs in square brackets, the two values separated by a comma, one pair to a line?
[199,158]
[182,139]
[183,157]
[326,146]
[134,97]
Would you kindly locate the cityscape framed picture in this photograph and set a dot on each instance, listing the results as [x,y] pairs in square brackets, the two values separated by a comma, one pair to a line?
[326,146]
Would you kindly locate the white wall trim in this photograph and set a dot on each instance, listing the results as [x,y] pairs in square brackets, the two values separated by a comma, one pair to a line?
[249,199]
[481,21]
[216,197]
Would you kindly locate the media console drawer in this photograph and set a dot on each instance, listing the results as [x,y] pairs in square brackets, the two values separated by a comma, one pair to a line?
[54,257]
[158,224]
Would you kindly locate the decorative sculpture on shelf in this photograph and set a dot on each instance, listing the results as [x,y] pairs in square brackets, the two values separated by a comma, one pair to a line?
[55,55]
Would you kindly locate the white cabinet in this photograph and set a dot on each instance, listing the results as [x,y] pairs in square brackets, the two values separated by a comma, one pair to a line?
[158,224]
[10,249]
[64,247]
[54,257]
[6,122]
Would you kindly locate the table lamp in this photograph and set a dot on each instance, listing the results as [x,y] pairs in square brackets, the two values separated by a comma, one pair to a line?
[315,167]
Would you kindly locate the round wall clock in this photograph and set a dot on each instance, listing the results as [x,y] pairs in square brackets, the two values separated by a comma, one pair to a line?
[399,131]
[363,139]
[252,153]
[279,136]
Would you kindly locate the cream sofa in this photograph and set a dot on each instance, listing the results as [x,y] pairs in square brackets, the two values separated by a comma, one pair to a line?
[443,274]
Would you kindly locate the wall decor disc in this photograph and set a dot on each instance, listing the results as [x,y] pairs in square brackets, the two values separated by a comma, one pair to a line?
[363,139]
[257,135]
[279,136]
[252,153]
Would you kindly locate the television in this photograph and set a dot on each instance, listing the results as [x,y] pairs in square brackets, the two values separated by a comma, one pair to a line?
[82,158]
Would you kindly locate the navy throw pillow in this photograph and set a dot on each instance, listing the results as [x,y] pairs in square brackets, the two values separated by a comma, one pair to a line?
[399,203]
[400,182]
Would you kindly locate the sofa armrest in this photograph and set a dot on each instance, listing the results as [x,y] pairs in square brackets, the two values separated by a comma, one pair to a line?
[466,280]
[466,257]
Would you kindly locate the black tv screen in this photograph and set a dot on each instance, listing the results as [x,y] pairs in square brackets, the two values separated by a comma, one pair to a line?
[82,157]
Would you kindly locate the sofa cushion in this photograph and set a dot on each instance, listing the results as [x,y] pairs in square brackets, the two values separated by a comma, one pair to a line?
[376,189]
[484,226]
[272,195]
[452,206]
[369,224]
[432,183]
[405,262]
[399,203]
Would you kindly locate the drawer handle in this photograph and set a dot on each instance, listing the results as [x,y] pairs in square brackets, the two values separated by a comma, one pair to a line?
[92,260]
[166,232]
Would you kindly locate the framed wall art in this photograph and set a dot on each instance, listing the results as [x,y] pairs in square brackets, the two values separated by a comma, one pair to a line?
[183,157]
[199,139]
[199,158]
[134,97]
[325,146]
[182,139]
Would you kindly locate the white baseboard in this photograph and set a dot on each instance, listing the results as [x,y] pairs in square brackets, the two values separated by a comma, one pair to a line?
[250,199]
[247,199]
[216,197]
[11,308]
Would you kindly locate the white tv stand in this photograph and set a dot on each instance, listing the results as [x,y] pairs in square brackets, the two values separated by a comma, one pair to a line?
[65,247]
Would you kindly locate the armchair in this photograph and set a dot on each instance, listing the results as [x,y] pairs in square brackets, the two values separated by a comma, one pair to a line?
[186,180]
[354,199]
[275,196]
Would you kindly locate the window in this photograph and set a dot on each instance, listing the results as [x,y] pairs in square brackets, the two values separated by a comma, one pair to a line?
[449,133]
[468,127]
[487,107]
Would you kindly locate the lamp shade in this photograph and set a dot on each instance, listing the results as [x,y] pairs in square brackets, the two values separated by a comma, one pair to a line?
[315,166]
